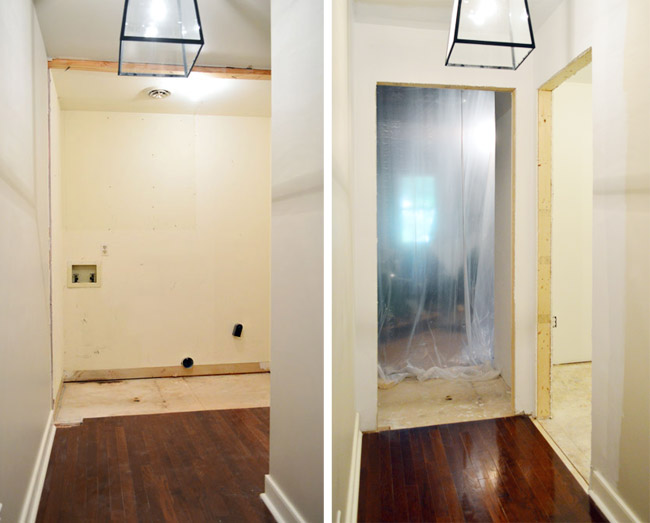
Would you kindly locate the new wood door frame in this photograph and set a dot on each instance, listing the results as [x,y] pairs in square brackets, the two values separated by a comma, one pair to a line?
[544,228]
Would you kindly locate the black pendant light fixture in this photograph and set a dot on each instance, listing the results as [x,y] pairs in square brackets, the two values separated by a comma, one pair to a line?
[159,38]
[495,34]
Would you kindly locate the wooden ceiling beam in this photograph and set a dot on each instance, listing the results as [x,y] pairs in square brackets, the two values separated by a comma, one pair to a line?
[111,67]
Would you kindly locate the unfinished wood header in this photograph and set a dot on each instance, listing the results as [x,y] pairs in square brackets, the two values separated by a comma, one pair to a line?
[447,86]
[111,67]
[576,65]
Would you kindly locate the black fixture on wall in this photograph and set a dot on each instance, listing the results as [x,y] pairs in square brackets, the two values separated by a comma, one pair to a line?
[237,330]
[160,38]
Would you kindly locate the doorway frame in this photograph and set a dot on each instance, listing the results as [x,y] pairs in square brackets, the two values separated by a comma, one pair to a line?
[513,193]
[544,227]
[56,389]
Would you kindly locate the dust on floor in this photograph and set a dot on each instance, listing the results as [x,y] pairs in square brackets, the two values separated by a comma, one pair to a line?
[160,395]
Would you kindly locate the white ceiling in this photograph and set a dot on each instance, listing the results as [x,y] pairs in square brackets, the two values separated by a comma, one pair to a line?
[433,14]
[237,33]
[198,94]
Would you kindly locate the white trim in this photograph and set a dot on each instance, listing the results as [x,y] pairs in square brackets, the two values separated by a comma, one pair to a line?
[279,504]
[608,501]
[352,505]
[35,487]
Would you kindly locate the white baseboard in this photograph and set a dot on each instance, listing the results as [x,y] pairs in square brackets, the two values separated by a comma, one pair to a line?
[352,504]
[279,504]
[35,487]
[608,501]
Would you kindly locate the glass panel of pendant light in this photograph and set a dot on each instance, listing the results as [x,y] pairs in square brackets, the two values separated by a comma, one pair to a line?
[490,33]
[160,37]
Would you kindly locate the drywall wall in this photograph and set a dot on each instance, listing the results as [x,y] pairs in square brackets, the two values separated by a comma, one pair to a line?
[503,177]
[616,30]
[182,204]
[385,53]
[343,408]
[25,381]
[294,486]
[571,209]
[59,268]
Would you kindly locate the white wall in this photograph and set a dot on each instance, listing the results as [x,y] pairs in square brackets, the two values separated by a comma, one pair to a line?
[182,203]
[617,31]
[503,178]
[343,408]
[25,381]
[572,164]
[384,53]
[296,441]
[59,269]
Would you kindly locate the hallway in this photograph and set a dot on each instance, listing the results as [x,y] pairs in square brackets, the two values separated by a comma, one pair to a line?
[489,470]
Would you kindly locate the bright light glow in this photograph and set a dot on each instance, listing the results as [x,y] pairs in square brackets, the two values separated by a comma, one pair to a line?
[151,31]
[418,209]
[157,10]
[197,87]
[483,136]
[484,9]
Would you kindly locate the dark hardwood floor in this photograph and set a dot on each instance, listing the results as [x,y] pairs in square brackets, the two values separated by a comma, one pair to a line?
[489,470]
[191,466]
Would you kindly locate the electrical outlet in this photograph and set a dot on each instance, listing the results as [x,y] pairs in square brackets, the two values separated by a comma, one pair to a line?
[104,250]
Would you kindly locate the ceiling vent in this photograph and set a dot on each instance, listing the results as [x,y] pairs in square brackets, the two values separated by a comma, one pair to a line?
[158,94]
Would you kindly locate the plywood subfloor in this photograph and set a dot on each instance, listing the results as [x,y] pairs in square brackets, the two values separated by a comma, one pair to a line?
[489,470]
[570,424]
[81,401]
[413,403]
[182,467]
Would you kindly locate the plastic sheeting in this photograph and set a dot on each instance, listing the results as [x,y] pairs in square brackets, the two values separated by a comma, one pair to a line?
[435,210]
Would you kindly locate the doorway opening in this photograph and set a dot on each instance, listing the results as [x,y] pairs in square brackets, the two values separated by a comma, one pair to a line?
[444,254]
[141,186]
[565,258]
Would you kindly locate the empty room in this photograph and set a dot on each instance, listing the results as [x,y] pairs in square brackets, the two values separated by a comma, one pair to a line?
[142,177]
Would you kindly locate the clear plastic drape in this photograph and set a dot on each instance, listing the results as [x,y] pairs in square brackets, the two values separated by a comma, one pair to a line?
[435,212]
